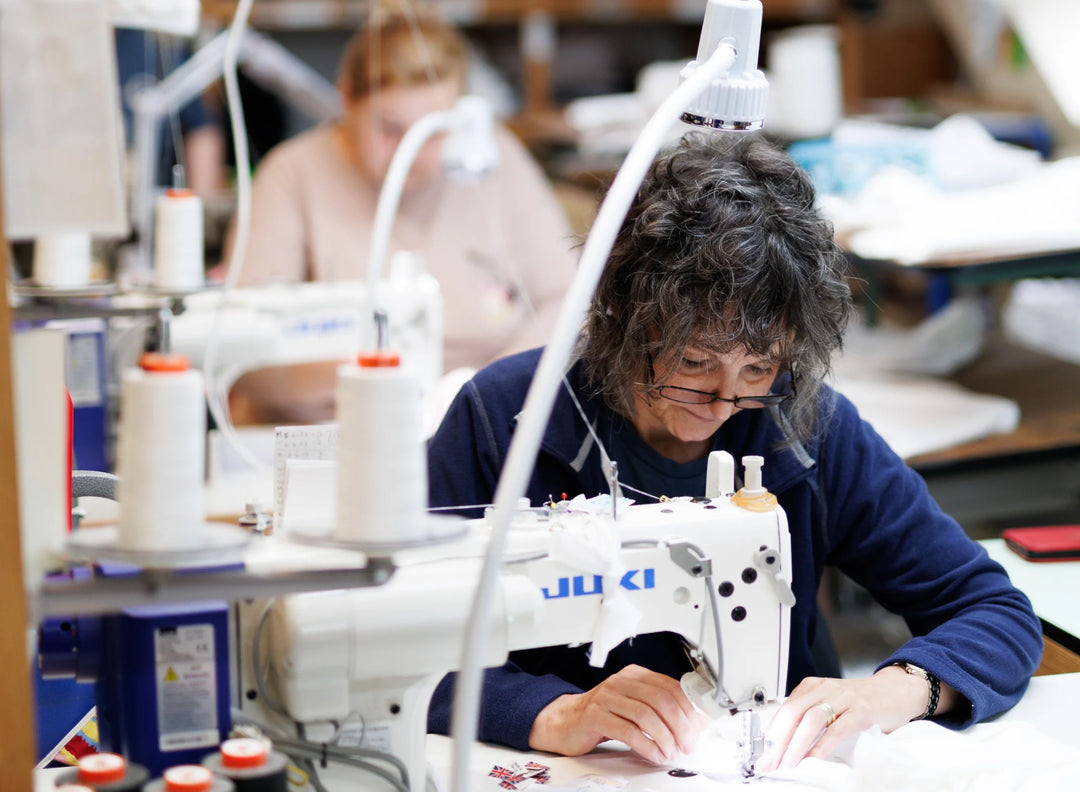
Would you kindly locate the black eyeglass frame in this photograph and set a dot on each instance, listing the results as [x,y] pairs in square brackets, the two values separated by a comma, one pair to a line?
[741,402]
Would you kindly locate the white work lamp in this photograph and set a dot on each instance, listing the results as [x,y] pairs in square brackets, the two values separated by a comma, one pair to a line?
[736,100]
[722,89]
[469,151]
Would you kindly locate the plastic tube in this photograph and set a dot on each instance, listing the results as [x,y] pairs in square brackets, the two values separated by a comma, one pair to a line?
[541,395]
[390,197]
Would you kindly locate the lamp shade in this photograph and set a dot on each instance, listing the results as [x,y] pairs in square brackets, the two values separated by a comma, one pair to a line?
[736,100]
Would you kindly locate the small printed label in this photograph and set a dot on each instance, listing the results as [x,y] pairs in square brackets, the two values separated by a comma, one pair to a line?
[377,737]
[84,378]
[186,687]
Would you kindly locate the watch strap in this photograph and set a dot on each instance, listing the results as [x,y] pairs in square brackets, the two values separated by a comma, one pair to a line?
[932,681]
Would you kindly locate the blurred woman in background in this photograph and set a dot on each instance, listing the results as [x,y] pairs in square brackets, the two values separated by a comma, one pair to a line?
[500,246]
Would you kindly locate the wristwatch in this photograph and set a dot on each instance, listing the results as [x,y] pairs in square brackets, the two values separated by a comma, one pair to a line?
[932,681]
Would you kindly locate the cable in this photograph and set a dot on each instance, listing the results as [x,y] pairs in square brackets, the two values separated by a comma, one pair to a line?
[307,755]
[302,751]
[409,12]
[331,750]
[716,629]
[216,400]
[316,749]
[240,142]
[167,54]
[625,486]
[390,197]
[312,774]
[460,508]
[354,756]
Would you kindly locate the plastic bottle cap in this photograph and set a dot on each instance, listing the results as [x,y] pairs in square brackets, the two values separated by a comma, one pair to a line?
[379,359]
[244,752]
[102,768]
[161,361]
[188,778]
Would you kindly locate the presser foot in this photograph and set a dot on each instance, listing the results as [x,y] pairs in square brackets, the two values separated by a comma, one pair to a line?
[752,742]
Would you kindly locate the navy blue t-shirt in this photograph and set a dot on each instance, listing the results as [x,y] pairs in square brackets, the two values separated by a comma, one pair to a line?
[644,468]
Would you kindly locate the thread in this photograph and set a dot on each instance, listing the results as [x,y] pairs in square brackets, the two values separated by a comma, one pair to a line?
[104,772]
[62,260]
[189,778]
[251,765]
[381,467]
[178,241]
[161,456]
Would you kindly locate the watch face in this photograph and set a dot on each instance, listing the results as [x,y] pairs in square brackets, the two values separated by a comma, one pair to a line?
[913,669]
[932,681]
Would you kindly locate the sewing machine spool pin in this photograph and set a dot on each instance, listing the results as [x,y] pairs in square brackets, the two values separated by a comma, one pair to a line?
[382,322]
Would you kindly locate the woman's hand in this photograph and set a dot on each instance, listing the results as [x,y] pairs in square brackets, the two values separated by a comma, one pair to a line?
[822,713]
[646,710]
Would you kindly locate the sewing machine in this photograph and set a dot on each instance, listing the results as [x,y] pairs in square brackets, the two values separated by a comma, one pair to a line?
[359,666]
[280,324]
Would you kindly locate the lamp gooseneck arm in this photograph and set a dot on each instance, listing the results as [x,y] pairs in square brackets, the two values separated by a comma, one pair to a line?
[390,196]
[542,392]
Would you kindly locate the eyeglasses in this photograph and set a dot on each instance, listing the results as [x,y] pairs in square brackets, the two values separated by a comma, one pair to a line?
[691,396]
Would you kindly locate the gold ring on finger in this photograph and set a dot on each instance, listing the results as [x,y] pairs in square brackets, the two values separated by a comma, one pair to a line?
[830,713]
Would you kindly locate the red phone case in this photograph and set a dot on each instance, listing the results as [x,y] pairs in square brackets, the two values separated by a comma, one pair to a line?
[1046,543]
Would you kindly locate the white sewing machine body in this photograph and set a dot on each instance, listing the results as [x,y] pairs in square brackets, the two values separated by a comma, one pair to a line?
[666,579]
[372,657]
[281,324]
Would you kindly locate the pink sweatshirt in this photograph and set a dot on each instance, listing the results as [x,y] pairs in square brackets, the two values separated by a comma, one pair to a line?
[500,247]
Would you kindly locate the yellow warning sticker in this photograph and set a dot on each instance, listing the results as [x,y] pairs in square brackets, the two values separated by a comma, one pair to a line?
[171,675]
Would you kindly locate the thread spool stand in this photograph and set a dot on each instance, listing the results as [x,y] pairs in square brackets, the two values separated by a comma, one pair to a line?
[160,462]
[381,466]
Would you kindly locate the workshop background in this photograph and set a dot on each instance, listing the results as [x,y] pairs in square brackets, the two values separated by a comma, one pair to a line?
[982,347]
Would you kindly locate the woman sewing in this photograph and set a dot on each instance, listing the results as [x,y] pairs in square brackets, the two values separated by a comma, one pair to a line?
[712,329]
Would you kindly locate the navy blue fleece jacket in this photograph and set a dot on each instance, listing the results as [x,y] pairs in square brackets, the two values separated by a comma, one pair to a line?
[850,502]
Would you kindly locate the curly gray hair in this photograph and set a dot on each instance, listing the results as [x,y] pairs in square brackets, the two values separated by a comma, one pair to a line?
[722,249]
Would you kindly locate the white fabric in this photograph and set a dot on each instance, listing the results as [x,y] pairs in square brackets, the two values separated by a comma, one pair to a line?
[587,539]
[918,415]
[886,374]
[1044,315]
[977,197]
[1044,757]
[992,757]
[1031,214]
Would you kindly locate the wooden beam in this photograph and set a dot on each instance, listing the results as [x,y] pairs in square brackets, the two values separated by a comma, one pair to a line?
[17,749]
[1057,659]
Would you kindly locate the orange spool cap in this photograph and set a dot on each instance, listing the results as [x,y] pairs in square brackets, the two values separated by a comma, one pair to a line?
[188,778]
[379,359]
[102,768]
[244,752]
[179,192]
[163,361]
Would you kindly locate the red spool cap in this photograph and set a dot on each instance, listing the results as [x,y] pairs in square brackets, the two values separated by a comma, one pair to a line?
[162,361]
[102,768]
[244,752]
[379,359]
[188,778]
